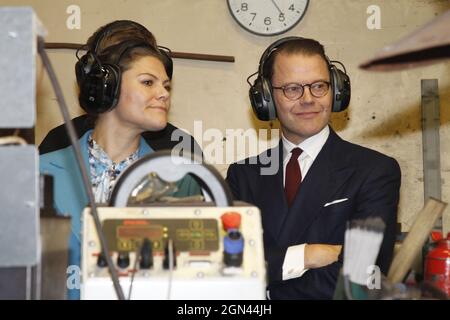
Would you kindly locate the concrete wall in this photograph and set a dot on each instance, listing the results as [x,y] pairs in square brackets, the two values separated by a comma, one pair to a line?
[385,109]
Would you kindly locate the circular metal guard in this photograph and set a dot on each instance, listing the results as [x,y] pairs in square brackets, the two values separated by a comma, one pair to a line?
[171,168]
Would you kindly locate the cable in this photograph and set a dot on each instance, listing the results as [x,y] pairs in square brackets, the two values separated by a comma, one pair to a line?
[137,257]
[248,78]
[170,246]
[84,174]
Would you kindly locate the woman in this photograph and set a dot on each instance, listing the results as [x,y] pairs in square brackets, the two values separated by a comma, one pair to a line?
[124,82]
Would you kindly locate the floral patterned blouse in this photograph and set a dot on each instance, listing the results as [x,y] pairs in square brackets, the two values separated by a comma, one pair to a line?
[104,171]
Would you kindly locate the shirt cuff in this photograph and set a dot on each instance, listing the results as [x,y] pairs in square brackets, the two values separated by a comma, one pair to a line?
[294,262]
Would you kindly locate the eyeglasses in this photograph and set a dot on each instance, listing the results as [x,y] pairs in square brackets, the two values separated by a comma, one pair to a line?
[295,91]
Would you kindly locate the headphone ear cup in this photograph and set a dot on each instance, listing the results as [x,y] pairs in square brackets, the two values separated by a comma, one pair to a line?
[100,89]
[268,98]
[260,94]
[341,89]
[111,88]
[84,66]
[256,98]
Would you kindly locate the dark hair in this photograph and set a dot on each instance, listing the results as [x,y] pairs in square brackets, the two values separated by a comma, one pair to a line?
[108,41]
[116,32]
[305,46]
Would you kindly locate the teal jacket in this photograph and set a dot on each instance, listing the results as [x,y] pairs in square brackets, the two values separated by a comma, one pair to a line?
[70,198]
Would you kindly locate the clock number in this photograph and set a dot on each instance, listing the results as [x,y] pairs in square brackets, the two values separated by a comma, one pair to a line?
[268,17]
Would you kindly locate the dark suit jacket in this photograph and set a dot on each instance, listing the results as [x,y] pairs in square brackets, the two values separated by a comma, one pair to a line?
[370,181]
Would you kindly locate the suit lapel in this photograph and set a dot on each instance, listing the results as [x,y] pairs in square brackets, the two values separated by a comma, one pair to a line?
[270,195]
[327,174]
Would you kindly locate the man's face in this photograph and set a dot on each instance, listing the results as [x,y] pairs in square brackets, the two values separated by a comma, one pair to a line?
[308,115]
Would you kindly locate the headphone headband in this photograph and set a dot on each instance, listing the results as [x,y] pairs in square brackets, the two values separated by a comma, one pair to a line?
[271,49]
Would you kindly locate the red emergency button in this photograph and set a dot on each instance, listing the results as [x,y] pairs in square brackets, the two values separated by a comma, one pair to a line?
[231,220]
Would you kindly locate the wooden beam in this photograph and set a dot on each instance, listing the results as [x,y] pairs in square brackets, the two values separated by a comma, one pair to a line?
[173,54]
[416,238]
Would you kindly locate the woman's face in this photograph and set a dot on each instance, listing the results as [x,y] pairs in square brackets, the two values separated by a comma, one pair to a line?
[144,100]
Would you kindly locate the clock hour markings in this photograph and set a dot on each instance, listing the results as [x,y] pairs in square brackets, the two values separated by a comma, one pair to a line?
[269,17]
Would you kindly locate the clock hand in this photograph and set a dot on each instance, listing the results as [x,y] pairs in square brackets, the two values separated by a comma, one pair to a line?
[275,4]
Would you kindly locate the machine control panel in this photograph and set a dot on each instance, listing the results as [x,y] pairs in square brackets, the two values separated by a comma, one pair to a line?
[186,253]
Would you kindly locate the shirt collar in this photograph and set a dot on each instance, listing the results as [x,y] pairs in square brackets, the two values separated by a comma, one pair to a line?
[311,146]
[97,152]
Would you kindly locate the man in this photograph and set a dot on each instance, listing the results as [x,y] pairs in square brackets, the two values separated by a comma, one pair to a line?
[322,181]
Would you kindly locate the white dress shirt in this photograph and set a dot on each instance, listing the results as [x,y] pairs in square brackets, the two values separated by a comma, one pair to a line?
[294,260]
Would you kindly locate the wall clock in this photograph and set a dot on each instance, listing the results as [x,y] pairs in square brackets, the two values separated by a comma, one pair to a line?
[267,17]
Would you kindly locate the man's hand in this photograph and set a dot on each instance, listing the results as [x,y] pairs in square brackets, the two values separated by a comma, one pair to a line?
[321,255]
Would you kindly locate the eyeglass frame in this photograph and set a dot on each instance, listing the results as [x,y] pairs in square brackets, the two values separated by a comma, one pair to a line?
[283,88]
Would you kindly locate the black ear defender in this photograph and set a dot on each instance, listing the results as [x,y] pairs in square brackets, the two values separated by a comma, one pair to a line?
[99,83]
[260,92]
[340,86]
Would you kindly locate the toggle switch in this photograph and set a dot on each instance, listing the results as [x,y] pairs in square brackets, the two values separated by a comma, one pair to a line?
[170,247]
[123,260]
[146,261]
[101,260]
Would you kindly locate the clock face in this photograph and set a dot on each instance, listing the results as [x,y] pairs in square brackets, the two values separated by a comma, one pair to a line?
[267,17]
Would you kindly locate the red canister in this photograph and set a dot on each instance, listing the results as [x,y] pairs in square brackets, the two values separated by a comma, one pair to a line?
[437,265]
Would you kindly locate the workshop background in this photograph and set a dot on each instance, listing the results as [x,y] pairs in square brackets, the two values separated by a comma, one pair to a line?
[385,109]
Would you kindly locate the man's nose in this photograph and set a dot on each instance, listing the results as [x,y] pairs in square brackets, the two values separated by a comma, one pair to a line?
[307,96]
